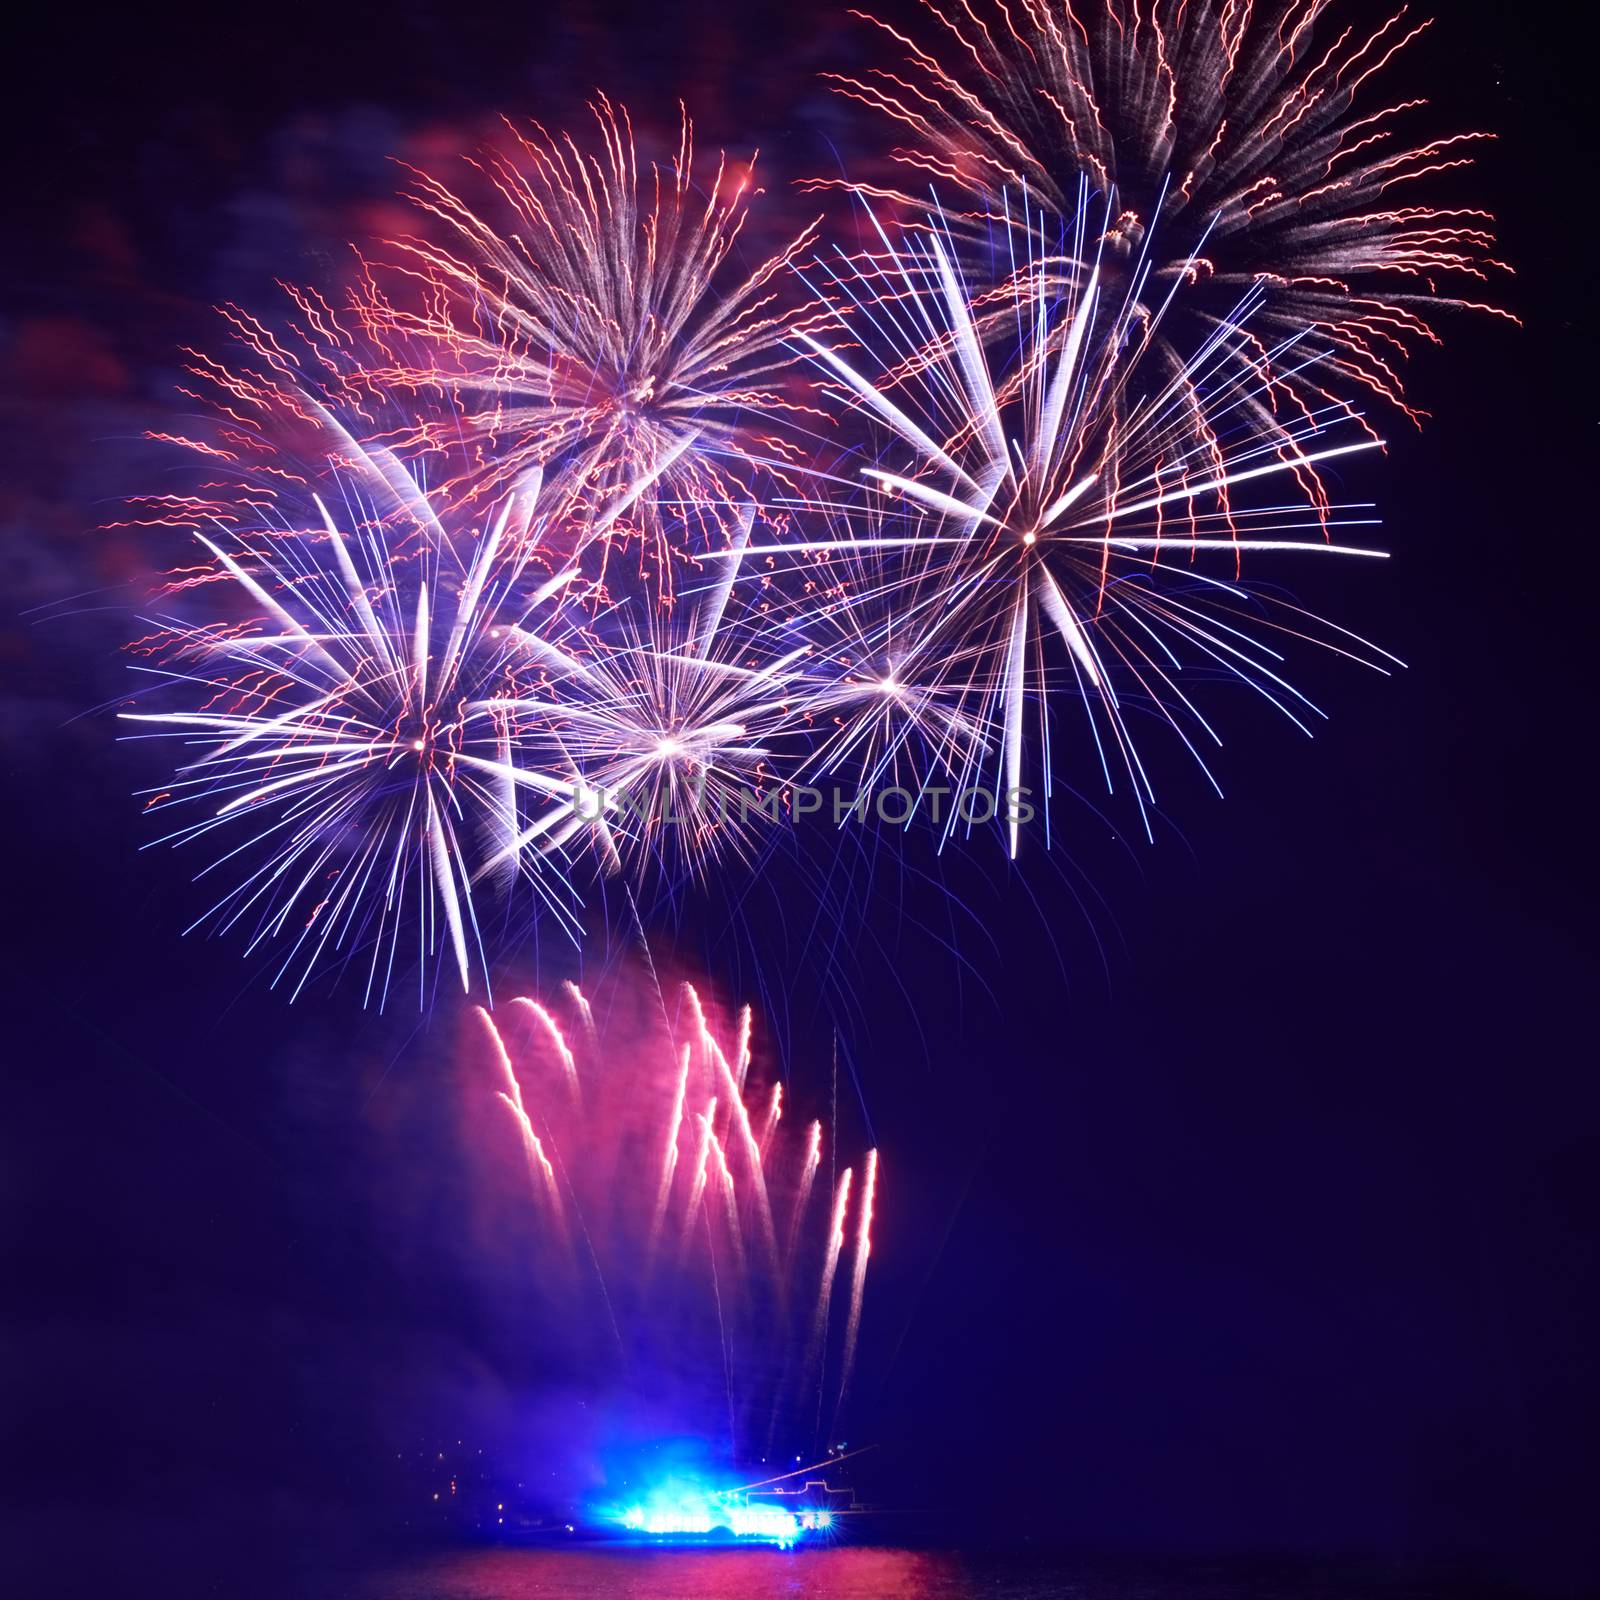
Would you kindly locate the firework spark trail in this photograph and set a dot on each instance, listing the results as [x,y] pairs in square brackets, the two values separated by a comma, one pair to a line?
[585,1011]
[669,1159]
[741,1053]
[858,1274]
[697,1184]
[815,1345]
[535,1149]
[1236,132]
[730,1196]
[769,1121]
[668,1093]
[596,317]
[1046,504]
[741,1115]
[539,1167]
[802,1198]
[553,1032]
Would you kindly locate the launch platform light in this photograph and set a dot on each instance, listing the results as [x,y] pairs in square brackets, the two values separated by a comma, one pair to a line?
[719,1516]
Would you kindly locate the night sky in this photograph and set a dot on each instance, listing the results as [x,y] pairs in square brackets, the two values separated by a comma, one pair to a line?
[1241,1191]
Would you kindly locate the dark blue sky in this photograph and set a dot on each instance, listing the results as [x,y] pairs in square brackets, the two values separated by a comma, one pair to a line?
[1253,1208]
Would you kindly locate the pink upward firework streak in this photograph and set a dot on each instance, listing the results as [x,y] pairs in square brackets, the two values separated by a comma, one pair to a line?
[667,1211]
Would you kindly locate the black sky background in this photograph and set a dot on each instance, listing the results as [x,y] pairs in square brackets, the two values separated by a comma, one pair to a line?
[1253,1209]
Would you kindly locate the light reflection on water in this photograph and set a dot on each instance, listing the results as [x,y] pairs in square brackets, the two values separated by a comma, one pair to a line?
[839,1574]
[861,1573]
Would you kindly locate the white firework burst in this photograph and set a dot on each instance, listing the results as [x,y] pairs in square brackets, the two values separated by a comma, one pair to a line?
[1041,523]
[670,726]
[348,743]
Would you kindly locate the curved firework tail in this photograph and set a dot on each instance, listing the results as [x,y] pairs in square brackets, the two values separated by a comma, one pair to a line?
[1241,138]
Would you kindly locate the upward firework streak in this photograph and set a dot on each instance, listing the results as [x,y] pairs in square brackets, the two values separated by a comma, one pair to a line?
[1237,134]
[602,323]
[1045,503]
[351,737]
[660,1207]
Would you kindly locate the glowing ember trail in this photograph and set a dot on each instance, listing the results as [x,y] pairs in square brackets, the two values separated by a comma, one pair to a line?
[538,1162]
[858,1277]
[808,1176]
[816,1344]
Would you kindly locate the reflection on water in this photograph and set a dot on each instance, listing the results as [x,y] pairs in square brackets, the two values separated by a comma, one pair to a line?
[862,1574]
[841,1574]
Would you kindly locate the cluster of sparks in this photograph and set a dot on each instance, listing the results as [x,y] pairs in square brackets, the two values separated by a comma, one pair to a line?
[709,1245]
[904,515]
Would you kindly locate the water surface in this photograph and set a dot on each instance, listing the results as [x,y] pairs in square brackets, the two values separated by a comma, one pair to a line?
[869,1574]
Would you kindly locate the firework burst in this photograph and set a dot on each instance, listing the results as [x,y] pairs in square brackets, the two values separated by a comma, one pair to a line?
[1041,519]
[348,746]
[670,729]
[595,316]
[1239,136]
[1009,471]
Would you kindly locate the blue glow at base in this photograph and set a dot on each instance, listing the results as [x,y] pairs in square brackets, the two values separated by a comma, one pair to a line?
[668,1491]
[689,1513]
[763,1524]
